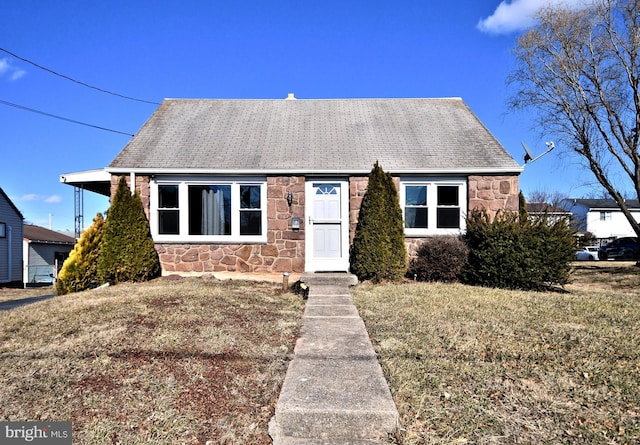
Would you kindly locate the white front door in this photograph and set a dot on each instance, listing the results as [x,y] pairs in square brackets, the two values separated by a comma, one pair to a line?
[327,231]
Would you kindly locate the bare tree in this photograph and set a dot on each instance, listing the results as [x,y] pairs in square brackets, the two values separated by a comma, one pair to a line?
[580,72]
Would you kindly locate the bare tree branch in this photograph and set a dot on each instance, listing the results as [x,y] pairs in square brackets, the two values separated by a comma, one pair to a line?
[580,72]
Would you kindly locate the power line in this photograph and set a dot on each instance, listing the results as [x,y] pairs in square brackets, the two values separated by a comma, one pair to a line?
[22,107]
[77,81]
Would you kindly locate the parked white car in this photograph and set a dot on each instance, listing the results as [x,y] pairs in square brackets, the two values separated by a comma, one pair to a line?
[589,253]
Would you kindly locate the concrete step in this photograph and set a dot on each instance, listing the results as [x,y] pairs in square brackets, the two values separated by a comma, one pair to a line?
[329,278]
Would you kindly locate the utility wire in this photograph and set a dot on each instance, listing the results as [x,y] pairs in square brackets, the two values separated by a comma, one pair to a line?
[77,81]
[22,107]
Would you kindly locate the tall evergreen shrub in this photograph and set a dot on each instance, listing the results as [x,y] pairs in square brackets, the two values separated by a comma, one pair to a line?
[522,207]
[378,252]
[128,252]
[80,271]
[397,262]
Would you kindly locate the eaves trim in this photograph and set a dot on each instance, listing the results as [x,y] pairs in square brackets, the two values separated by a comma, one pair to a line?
[307,172]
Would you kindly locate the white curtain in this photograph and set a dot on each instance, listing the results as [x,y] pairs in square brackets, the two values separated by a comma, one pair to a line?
[212,212]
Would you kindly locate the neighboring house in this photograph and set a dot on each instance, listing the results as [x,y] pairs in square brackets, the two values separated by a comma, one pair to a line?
[44,252]
[10,241]
[551,212]
[276,185]
[602,217]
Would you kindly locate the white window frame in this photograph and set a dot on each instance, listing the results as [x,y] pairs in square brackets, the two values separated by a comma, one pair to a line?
[605,215]
[432,204]
[183,184]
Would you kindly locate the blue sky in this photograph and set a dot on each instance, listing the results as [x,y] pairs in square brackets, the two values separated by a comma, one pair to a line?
[264,49]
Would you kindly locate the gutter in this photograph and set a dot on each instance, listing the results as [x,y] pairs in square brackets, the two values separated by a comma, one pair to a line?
[314,172]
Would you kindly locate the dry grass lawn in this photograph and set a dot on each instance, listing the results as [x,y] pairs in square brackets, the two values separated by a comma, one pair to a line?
[196,360]
[486,366]
[166,362]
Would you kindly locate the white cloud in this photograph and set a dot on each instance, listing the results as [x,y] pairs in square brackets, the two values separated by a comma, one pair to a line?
[517,15]
[13,73]
[17,74]
[53,199]
[29,197]
[33,197]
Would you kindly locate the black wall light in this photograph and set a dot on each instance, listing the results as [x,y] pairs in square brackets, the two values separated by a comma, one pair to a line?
[289,198]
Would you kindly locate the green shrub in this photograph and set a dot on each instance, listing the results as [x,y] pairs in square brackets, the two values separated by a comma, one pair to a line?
[512,253]
[396,266]
[522,207]
[128,252]
[79,271]
[378,251]
[441,258]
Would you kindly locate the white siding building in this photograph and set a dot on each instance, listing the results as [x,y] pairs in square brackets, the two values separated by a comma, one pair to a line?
[602,217]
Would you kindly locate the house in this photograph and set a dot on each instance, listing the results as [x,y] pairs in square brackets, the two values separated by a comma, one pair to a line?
[44,253]
[10,241]
[602,217]
[276,185]
[551,212]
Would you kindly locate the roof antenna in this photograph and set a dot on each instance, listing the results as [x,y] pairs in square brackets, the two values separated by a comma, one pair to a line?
[528,157]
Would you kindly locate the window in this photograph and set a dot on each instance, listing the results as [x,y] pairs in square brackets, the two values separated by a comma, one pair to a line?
[214,210]
[416,210]
[448,212]
[250,210]
[433,207]
[168,222]
[209,209]
[3,230]
[605,216]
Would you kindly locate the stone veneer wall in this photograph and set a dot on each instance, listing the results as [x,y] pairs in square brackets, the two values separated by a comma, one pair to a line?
[357,189]
[142,186]
[493,193]
[284,250]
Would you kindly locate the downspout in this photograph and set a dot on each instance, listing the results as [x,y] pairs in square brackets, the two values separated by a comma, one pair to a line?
[25,260]
[132,180]
[9,251]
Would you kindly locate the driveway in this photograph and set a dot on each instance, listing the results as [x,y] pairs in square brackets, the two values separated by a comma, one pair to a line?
[11,304]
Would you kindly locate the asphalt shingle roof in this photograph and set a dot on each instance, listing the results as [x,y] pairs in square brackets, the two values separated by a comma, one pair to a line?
[43,235]
[314,135]
[604,203]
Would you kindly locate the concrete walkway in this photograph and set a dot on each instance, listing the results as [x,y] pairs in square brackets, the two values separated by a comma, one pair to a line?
[334,391]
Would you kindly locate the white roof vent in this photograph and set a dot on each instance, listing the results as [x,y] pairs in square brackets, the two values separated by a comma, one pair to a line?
[291,96]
